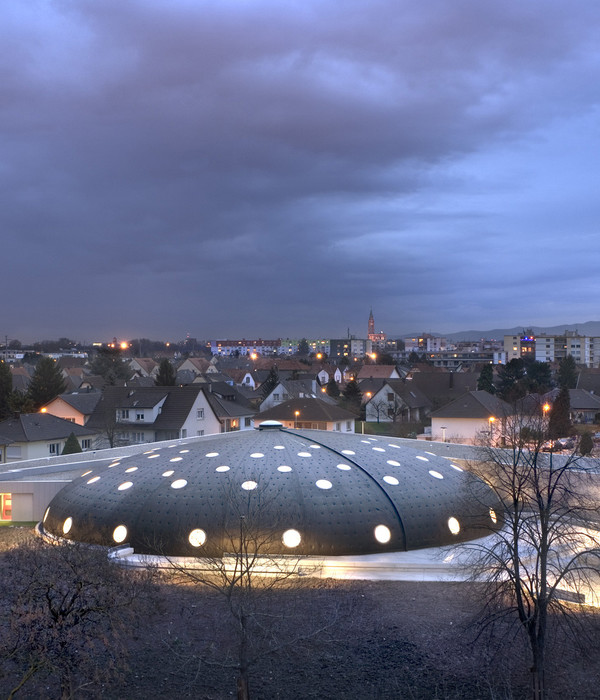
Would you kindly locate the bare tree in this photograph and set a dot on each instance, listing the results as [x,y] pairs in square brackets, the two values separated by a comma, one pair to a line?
[69,615]
[547,555]
[256,583]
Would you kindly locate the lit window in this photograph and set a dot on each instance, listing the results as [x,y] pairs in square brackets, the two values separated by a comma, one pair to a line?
[67,525]
[493,516]
[125,485]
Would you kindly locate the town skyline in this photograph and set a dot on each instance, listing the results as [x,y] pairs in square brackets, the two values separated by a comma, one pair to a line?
[588,328]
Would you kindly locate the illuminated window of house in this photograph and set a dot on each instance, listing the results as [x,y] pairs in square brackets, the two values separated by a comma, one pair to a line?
[5,506]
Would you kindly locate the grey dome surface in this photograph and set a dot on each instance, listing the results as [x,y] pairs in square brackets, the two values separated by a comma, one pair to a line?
[313,492]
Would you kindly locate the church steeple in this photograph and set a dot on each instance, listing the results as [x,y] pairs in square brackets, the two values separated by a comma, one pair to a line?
[371,330]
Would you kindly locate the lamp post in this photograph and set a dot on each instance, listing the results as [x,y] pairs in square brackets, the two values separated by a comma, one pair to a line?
[296,414]
[443,429]
[491,421]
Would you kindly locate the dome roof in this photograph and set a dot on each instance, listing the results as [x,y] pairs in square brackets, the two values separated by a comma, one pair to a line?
[306,492]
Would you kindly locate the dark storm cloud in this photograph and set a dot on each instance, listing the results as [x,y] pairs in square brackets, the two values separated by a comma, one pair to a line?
[266,168]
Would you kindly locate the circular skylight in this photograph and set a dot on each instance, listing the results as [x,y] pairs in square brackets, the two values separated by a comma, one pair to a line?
[197,537]
[291,538]
[383,534]
[323,484]
[120,534]
[249,485]
[179,483]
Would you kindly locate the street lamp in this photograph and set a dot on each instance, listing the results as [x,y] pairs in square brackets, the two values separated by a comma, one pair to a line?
[296,414]
[491,420]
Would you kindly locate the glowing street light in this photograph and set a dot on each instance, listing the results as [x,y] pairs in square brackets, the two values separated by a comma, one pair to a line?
[491,421]
[296,414]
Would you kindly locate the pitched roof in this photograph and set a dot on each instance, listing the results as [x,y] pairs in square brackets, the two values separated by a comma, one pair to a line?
[147,364]
[309,409]
[83,401]
[409,393]
[33,427]
[377,371]
[441,387]
[474,404]
[179,401]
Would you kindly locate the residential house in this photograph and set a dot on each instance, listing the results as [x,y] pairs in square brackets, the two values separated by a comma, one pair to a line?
[196,365]
[441,386]
[143,367]
[396,401]
[20,378]
[128,415]
[76,407]
[34,435]
[294,389]
[470,416]
[310,414]
[231,408]
[584,406]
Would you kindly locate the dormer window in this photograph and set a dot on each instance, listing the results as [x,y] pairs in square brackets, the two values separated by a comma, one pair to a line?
[139,416]
[124,414]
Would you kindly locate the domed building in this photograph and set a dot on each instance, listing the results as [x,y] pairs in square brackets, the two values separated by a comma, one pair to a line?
[307,493]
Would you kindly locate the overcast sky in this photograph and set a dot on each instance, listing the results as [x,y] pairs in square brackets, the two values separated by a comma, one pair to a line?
[254,168]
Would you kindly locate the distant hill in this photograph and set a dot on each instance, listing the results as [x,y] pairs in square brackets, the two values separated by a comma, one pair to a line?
[590,328]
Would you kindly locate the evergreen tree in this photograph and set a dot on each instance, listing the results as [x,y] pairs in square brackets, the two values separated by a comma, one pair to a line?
[486,380]
[5,390]
[46,384]
[21,403]
[166,374]
[270,382]
[72,445]
[539,377]
[109,364]
[567,372]
[333,389]
[510,385]
[559,423]
[352,396]
[303,347]
[586,444]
